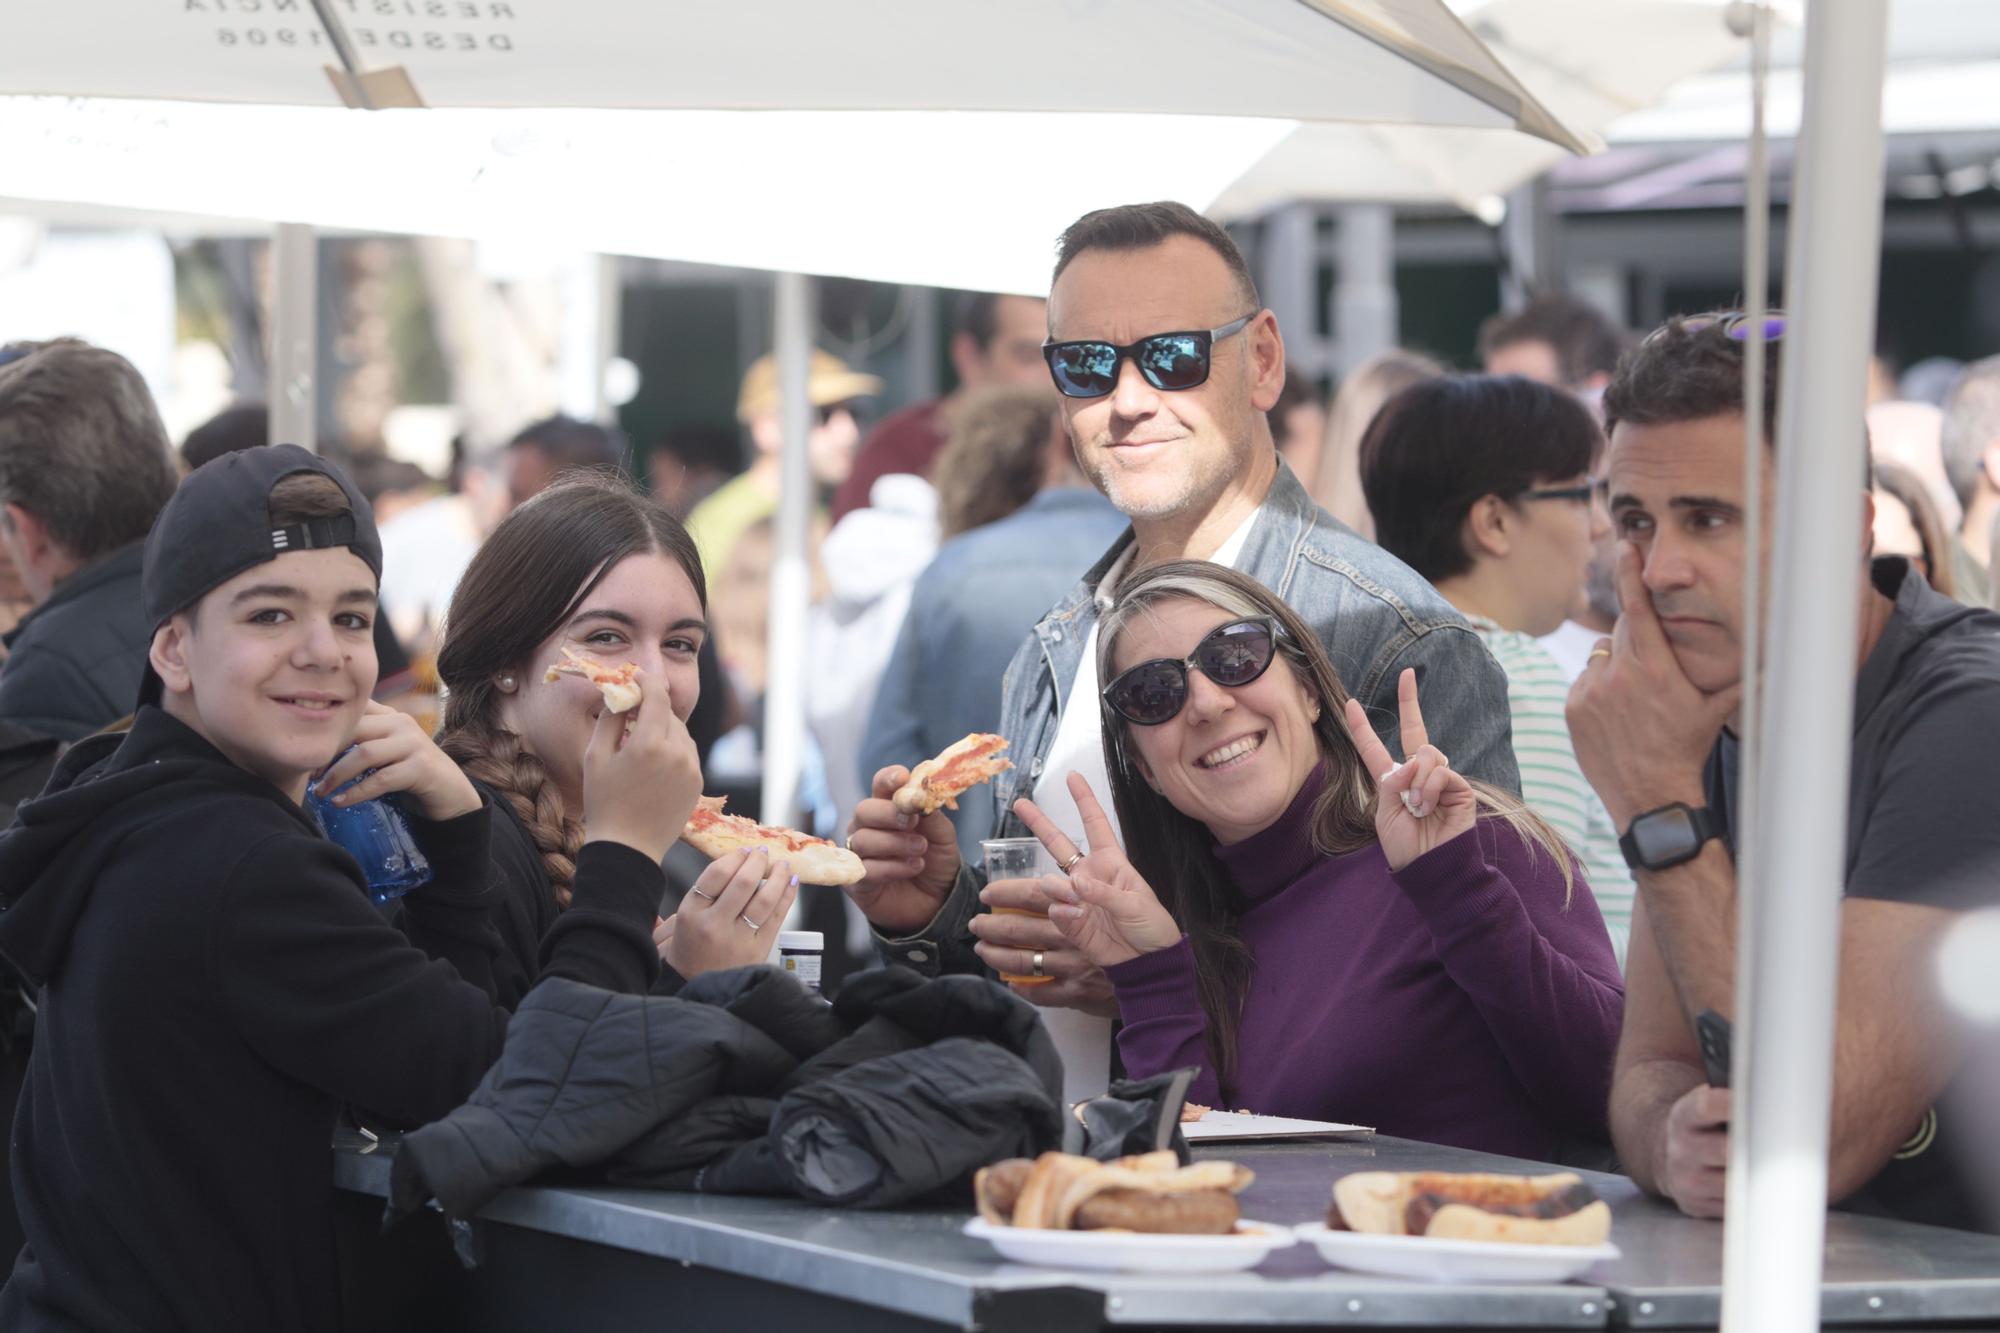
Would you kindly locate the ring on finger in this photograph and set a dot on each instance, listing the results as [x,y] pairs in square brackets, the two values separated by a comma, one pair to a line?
[703,896]
[850,843]
[755,926]
[1074,857]
[1601,650]
[1035,965]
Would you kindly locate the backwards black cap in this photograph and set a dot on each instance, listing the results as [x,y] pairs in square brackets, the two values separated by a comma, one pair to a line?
[218,524]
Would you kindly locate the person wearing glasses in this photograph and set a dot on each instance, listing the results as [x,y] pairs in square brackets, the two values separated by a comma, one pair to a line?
[1654,718]
[1167,364]
[1482,484]
[1327,933]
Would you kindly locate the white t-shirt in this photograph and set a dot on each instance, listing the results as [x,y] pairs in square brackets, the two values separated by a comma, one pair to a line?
[1079,743]
[1570,646]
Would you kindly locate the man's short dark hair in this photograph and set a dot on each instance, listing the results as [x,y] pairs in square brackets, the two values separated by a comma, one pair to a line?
[1689,369]
[1441,445]
[1586,342]
[1971,424]
[245,426]
[704,444]
[571,445]
[1142,226]
[82,447]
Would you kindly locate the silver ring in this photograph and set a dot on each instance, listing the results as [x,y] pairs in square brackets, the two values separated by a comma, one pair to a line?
[755,926]
[849,844]
[1035,965]
[699,894]
[1074,857]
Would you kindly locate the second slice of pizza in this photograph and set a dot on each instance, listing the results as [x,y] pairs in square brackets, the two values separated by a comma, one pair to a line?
[936,784]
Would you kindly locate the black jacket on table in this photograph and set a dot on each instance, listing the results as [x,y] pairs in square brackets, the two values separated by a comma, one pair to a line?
[73,663]
[749,1084]
[214,985]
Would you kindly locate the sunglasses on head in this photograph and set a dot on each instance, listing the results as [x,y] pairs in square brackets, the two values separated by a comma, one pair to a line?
[1230,655]
[1734,324]
[1169,361]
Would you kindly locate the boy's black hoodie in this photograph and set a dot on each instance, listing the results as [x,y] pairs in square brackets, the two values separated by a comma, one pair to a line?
[214,984]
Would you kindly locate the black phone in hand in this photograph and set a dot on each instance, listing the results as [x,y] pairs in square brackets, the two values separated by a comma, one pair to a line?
[1712,1031]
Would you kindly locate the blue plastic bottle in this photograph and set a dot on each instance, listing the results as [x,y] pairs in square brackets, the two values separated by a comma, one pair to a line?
[376,834]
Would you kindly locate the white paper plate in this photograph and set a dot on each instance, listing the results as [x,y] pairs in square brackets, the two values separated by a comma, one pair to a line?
[1225,1125]
[1129,1252]
[1434,1260]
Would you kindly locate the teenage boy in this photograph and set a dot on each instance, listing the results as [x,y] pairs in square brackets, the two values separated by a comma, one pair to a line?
[213,981]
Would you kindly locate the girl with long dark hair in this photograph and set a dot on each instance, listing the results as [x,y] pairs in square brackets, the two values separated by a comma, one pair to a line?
[1327,933]
[590,566]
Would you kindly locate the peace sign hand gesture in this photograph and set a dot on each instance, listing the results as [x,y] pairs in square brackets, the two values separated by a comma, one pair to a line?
[1421,804]
[1104,907]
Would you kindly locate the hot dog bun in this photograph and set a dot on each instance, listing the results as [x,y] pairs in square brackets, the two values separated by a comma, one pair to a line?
[1555,1209]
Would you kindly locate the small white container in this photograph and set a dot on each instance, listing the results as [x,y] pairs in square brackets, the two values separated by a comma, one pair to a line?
[799,953]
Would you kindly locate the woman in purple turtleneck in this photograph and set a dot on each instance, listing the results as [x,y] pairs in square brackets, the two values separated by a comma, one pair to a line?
[1326,933]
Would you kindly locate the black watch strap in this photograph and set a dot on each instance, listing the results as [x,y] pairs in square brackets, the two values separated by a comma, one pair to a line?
[1669,836]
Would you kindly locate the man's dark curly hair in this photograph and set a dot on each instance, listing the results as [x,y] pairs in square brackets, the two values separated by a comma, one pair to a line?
[1689,369]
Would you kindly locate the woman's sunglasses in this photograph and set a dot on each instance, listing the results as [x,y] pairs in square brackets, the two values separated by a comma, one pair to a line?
[1230,655]
[1166,360]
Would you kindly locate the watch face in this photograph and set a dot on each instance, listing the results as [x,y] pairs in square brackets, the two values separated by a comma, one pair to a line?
[1666,836]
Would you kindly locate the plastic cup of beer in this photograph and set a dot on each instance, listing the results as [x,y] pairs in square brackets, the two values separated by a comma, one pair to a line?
[1017,858]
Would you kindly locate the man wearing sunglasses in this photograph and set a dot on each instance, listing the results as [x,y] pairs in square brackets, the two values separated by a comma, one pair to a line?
[1166,363]
[1653,717]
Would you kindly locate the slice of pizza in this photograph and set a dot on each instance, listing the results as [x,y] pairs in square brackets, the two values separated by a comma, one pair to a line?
[814,860]
[938,783]
[619,685]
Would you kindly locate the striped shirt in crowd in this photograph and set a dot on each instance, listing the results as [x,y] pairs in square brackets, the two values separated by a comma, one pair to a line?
[1551,782]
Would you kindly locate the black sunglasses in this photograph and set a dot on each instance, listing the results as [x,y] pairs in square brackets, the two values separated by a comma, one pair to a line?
[1230,655]
[1169,361]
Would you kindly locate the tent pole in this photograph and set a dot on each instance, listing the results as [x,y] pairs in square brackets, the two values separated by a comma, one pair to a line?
[1754,909]
[1365,313]
[294,326]
[1831,272]
[1287,264]
[791,571]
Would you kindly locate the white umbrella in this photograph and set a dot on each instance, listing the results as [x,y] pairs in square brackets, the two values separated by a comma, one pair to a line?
[796,191]
[1589,62]
[1376,60]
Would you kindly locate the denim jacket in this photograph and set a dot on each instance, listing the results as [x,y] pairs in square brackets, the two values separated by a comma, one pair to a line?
[1375,615]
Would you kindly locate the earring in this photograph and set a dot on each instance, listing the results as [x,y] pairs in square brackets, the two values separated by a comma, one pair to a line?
[507,685]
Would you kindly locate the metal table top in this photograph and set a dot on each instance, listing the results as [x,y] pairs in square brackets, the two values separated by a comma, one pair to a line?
[915,1261]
